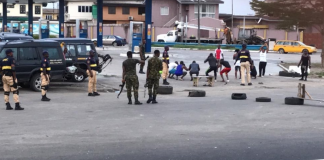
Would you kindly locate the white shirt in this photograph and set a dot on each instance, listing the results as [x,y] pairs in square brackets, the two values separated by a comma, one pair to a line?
[263,56]
[238,63]
[172,66]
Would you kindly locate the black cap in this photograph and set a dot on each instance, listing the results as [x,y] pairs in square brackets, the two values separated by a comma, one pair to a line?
[244,45]
[9,51]
[92,51]
[44,52]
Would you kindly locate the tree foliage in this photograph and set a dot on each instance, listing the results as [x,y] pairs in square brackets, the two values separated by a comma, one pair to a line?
[302,13]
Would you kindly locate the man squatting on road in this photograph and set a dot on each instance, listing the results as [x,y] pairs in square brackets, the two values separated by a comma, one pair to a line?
[153,76]
[130,77]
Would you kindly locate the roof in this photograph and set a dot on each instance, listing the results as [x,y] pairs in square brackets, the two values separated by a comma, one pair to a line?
[28,43]
[69,39]
[125,3]
[47,10]
[227,17]
[201,1]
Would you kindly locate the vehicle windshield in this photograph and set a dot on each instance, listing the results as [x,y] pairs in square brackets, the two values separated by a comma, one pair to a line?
[301,43]
[84,49]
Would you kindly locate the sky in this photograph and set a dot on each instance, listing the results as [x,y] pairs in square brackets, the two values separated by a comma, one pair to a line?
[241,7]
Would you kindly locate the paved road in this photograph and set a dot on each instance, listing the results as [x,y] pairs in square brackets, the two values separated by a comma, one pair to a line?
[76,127]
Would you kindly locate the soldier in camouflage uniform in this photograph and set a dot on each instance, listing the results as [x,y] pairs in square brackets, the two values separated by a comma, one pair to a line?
[130,77]
[153,76]
[142,55]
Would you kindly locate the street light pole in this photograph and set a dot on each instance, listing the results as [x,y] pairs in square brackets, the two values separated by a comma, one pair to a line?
[198,22]
[232,14]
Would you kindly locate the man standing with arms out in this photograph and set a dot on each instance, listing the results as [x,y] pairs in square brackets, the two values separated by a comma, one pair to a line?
[219,56]
[165,63]
[153,76]
[212,65]
[92,73]
[45,75]
[9,80]
[263,59]
[246,61]
[130,77]
[142,55]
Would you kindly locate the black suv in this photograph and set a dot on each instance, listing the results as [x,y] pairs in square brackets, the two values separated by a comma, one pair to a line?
[28,55]
[7,36]
[76,57]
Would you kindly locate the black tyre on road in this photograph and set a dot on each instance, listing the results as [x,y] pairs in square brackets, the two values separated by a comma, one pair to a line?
[197,93]
[294,101]
[165,90]
[239,96]
[263,99]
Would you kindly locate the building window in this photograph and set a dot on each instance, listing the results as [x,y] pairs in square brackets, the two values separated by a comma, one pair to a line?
[49,17]
[164,10]
[85,9]
[22,9]
[37,10]
[125,10]
[111,10]
[205,11]
[141,10]
[10,6]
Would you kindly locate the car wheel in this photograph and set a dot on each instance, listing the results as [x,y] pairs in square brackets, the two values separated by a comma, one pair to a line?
[281,51]
[114,44]
[79,76]
[35,83]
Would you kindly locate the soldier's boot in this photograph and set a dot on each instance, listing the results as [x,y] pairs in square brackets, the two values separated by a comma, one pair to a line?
[165,82]
[141,71]
[130,100]
[150,99]
[44,98]
[137,102]
[91,94]
[18,107]
[96,94]
[8,106]
[154,100]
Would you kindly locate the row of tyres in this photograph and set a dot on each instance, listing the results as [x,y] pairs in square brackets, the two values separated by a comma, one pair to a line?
[28,55]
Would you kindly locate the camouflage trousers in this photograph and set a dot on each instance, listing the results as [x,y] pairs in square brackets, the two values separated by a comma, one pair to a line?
[152,84]
[132,82]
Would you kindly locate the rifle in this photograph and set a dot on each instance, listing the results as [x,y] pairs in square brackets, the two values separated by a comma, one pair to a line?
[145,59]
[121,88]
[145,86]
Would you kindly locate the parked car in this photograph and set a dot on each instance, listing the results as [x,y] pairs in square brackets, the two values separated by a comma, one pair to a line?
[8,36]
[28,55]
[111,40]
[289,46]
[76,57]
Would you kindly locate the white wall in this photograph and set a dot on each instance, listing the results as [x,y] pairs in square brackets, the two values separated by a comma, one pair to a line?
[74,12]
[15,12]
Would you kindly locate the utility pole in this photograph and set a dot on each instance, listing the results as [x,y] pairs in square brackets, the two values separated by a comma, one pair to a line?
[232,15]
[199,22]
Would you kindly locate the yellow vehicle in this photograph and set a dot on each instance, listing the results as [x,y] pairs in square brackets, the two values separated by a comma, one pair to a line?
[287,46]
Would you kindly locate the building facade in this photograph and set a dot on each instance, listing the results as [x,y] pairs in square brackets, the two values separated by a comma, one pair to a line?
[19,12]
[50,14]
[78,10]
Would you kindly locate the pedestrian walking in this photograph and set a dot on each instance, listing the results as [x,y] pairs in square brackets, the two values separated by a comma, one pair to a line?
[130,77]
[153,76]
[165,63]
[142,55]
[45,75]
[305,63]
[92,73]
[245,59]
[238,64]
[9,80]
[212,65]
[263,59]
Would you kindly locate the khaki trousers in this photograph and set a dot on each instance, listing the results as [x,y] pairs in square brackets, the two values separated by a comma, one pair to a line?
[245,69]
[165,70]
[92,85]
[7,87]
[44,83]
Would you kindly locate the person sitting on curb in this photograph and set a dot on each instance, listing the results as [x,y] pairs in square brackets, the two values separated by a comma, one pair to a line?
[180,72]
[226,70]
[172,69]
[194,69]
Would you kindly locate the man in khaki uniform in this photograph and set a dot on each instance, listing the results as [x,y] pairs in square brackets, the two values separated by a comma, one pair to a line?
[92,73]
[45,75]
[9,80]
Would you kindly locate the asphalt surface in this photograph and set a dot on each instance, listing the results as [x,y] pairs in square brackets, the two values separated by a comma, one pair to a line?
[74,126]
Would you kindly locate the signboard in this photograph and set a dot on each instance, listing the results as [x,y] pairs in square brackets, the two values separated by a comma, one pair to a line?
[149,31]
[31,28]
[94,11]
[100,28]
[62,28]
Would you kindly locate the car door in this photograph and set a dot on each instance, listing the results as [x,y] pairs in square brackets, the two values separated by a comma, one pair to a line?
[27,61]
[111,39]
[170,37]
[287,46]
[70,56]
[295,47]
[57,61]
[105,40]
